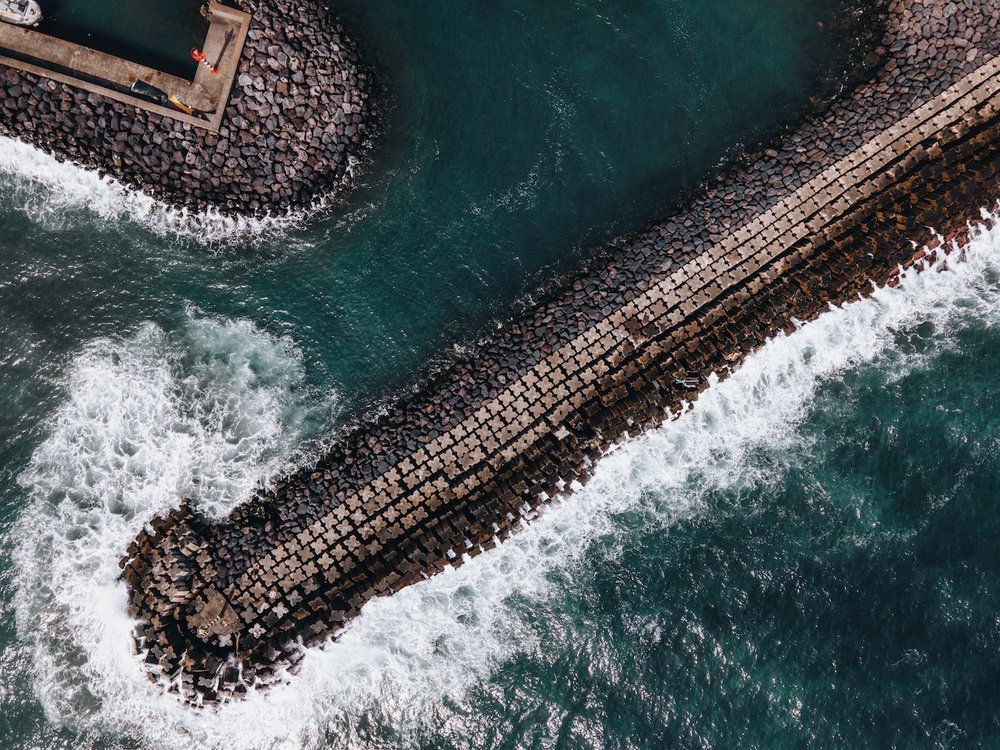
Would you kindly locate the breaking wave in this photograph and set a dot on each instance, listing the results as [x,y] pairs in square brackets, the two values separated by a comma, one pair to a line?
[53,192]
[147,422]
[150,419]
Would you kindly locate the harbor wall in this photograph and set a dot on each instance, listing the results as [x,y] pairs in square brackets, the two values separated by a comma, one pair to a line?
[456,465]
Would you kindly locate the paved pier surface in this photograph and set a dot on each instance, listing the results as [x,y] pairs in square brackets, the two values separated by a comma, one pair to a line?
[455,467]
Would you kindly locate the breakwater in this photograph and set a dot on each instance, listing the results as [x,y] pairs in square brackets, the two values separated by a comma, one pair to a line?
[457,465]
[298,113]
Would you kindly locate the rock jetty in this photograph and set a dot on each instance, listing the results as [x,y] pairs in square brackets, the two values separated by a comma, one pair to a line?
[299,113]
[451,470]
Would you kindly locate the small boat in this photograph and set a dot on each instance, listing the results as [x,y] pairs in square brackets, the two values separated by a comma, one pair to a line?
[20,12]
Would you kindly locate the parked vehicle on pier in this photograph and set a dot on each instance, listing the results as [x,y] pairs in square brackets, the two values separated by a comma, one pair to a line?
[149,92]
[20,12]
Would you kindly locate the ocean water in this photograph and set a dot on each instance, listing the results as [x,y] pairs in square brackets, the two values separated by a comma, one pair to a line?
[806,558]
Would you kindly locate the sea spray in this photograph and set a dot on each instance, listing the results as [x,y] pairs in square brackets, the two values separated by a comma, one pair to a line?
[53,192]
[149,419]
[410,661]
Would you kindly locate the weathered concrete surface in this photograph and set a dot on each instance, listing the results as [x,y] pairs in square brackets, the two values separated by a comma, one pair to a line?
[454,467]
[299,112]
[98,73]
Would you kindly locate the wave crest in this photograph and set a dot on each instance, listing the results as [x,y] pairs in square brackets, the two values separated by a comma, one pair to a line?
[149,420]
[57,193]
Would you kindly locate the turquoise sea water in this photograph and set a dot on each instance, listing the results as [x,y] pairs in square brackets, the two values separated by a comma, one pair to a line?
[807,559]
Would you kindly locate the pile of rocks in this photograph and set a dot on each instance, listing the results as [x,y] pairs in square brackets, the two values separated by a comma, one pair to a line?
[300,110]
[454,467]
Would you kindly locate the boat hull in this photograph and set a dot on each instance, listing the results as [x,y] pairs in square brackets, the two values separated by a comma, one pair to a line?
[20,12]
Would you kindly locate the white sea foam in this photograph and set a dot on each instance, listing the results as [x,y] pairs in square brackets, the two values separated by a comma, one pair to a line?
[55,193]
[149,420]
[131,438]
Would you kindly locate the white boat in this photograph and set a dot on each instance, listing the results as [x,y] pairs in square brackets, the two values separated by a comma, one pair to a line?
[20,12]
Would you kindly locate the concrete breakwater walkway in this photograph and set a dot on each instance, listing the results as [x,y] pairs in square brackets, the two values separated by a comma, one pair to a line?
[457,465]
[298,112]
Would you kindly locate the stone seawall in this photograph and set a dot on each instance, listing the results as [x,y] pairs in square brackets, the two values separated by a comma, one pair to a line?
[456,466]
[299,112]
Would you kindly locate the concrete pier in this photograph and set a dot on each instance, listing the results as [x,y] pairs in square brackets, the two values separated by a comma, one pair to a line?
[288,116]
[454,468]
[99,73]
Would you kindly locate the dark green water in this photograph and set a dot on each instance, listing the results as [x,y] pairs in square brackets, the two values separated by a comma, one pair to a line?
[159,35]
[806,560]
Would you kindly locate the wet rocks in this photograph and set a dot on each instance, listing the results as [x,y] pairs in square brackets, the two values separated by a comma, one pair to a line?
[299,83]
[455,466]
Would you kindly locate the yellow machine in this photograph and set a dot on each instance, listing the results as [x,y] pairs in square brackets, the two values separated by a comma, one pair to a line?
[177,103]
